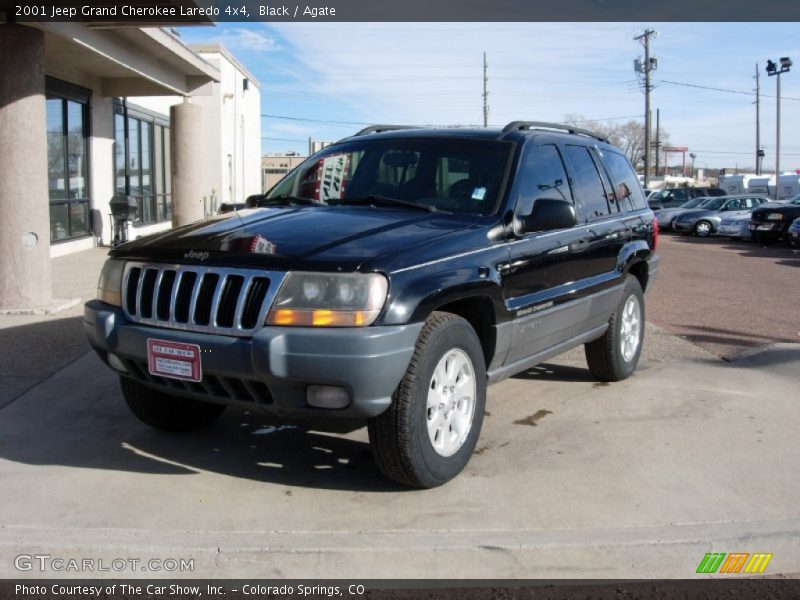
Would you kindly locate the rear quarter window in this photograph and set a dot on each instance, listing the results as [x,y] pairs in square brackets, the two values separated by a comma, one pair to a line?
[627,189]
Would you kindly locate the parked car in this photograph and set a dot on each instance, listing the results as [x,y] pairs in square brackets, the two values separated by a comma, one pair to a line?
[706,220]
[675,197]
[735,226]
[794,233]
[665,216]
[386,281]
[771,223]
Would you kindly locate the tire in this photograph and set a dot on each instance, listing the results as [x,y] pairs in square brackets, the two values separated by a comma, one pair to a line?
[165,411]
[703,229]
[407,445]
[605,356]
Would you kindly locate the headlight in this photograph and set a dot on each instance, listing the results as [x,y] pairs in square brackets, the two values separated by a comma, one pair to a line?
[329,300]
[109,288]
[775,216]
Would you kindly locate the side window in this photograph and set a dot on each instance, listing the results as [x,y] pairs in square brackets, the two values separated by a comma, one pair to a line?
[543,176]
[626,185]
[588,186]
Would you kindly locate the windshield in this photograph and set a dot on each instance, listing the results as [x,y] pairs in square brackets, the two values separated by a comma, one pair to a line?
[694,202]
[711,203]
[453,175]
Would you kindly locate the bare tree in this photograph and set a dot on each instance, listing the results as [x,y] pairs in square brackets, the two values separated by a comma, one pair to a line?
[628,137]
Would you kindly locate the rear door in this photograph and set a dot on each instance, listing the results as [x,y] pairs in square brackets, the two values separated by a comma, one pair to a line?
[606,233]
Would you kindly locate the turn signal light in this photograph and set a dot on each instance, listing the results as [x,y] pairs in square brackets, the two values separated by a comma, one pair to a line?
[655,235]
[321,318]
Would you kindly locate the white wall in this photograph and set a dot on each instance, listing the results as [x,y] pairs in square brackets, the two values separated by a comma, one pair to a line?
[237,132]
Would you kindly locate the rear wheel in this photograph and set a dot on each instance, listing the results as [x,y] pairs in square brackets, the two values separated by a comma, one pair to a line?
[615,355]
[165,411]
[428,434]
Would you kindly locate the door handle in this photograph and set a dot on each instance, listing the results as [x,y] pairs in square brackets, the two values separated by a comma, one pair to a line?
[506,268]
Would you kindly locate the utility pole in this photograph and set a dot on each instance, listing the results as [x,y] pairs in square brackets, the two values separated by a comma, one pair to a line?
[658,136]
[648,66]
[485,93]
[772,69]
[758,124]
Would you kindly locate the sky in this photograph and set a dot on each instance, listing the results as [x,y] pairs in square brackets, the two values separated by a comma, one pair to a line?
[327,80]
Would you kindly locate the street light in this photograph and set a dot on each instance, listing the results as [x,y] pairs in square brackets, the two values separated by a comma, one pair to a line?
[772,69]
[692,155]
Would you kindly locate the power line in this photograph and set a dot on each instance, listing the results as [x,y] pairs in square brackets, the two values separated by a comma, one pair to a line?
[716,89]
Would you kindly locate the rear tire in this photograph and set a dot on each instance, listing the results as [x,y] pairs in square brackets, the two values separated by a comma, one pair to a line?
[428,434]
[615,356]
[165,411]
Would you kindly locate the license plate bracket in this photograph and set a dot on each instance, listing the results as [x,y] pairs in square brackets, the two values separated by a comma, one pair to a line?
[175,360]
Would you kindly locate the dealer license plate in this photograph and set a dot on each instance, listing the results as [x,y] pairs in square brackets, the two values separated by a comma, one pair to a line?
[174,360]
[764,227]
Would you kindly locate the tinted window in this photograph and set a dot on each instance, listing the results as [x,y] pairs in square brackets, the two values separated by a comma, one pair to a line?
[626,185]
[587,184]
[543,176]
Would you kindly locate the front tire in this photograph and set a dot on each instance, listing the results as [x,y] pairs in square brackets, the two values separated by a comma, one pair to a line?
[703,229]
[615,356]
[428,434]
[165,411]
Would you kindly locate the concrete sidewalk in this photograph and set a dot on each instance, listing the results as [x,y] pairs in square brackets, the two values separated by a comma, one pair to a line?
[571,477]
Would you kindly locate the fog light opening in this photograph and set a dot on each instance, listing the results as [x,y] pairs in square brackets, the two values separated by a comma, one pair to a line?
[327,396]
[116,363]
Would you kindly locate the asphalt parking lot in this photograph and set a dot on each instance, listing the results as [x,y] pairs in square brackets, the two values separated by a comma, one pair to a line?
[727,296]
[571,477]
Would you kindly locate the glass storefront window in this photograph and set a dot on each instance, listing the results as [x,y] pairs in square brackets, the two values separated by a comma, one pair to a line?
[145,168]
[67,117]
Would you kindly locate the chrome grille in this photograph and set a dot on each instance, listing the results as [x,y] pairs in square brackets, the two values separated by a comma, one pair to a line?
[195,298]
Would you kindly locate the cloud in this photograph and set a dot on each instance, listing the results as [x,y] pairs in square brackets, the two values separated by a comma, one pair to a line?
[245,40]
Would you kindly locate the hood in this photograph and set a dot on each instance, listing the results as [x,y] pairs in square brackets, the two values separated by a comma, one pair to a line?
[689,214]
[321,238]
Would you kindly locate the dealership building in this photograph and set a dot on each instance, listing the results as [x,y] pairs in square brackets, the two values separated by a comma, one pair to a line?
[93,110]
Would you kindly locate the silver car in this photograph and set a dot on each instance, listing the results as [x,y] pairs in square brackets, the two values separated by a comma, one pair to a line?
[735,226]
[665,216]
[706,219]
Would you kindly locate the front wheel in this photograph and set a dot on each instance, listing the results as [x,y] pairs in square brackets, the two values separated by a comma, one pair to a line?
[428,434]
[615,356]
[703,229]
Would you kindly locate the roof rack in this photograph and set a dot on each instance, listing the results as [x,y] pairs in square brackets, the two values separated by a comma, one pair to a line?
[381,129]
[521,125]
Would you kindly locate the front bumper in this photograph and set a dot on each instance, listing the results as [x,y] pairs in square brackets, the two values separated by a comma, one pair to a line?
[682,226]
[271,370]
[767,226]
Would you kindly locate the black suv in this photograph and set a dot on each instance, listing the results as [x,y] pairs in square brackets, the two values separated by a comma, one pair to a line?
[388,279]
[771,222]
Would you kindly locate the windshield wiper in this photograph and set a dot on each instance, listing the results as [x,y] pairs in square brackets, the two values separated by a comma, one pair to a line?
[375,200]
[285,199]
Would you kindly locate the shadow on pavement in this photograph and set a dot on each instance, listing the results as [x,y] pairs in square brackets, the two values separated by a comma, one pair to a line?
[730,337]
[550,372]
[78,418]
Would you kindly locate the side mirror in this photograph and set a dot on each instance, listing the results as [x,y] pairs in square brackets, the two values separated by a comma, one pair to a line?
[550,214]
[253,201]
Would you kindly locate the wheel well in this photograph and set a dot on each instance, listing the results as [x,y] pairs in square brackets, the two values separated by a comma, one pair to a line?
[479,312]
[640,271]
